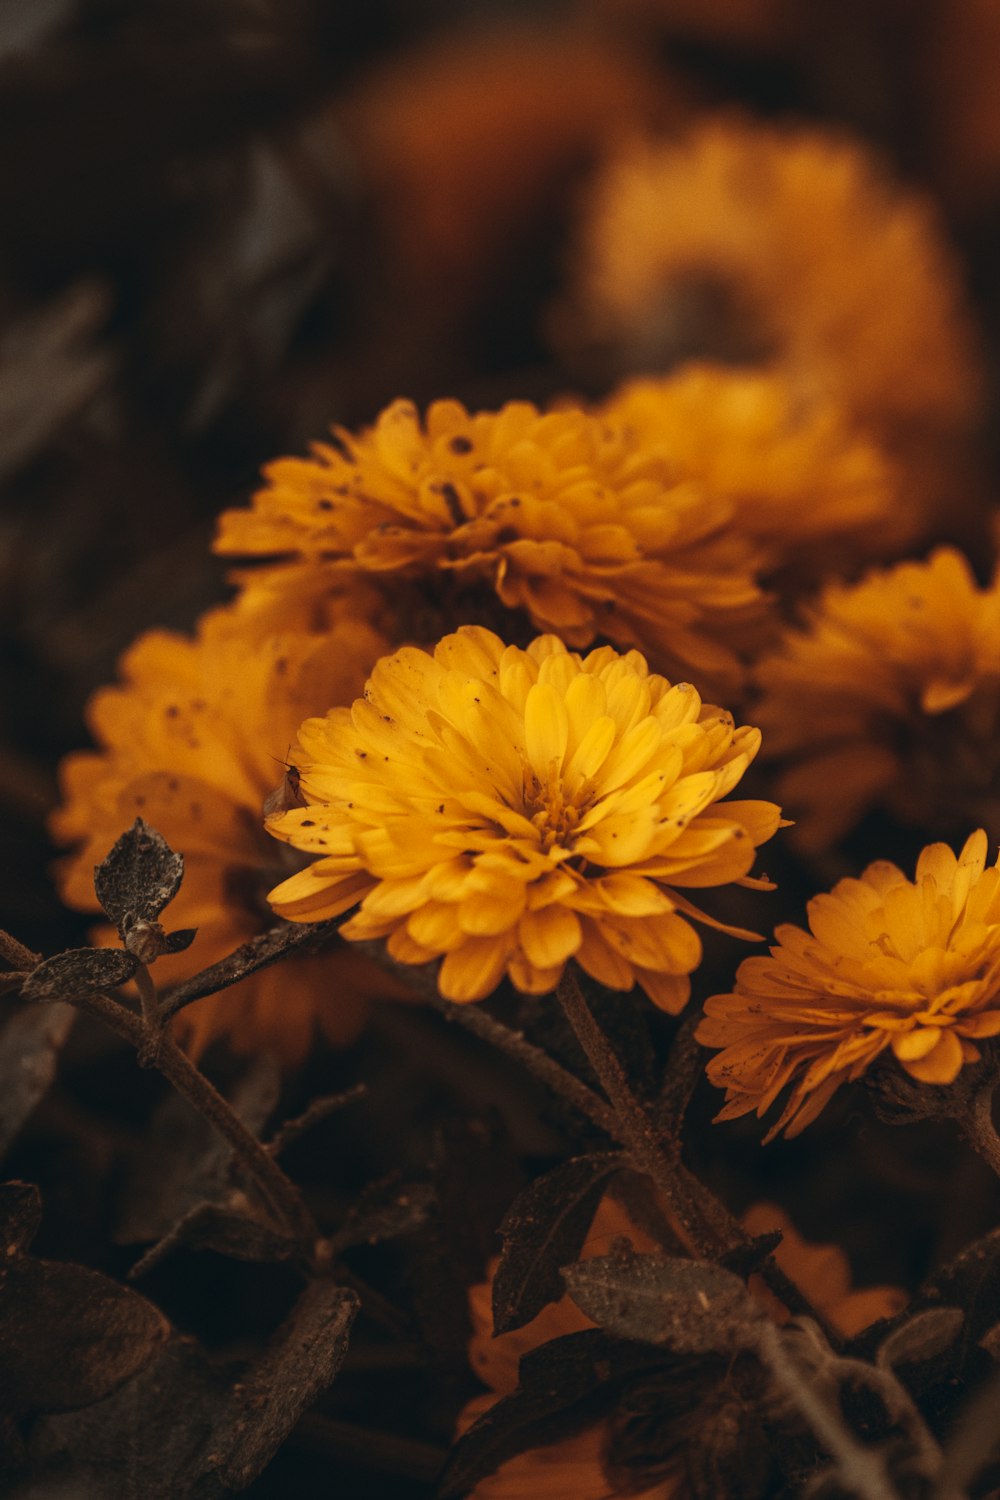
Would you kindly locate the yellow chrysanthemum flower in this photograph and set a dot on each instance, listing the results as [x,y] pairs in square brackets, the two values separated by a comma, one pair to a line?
[574,1468]
[889,697]
[193,742]
[559,512]
[889,963]
[792,245]
[509,810]
[795,471]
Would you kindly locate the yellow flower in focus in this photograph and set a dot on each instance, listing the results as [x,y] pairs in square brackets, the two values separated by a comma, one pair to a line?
[560,513]
[508,810]
[888,964]
[889,697]
[773,243]
[193,741]
[794,470]
[574,1467]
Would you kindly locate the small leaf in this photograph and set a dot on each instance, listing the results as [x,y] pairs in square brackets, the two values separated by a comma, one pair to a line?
[139,876]
[544,1229]
[209,1227]
[690,1307]
[20,1216]
[746,1259]
[179,941]
[301,1363]
[923,1336]
[384,1212]
[31,1038]
[80,971]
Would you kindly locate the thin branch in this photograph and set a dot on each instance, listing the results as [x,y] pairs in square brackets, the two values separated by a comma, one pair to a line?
[247,959]
[16,954]
[317,1111]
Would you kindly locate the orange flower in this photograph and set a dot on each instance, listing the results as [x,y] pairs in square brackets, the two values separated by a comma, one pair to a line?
[193,742]
[888,964]
[510,809]
[573,1468]
[558,512]
[797,244]
[794,471]
[889,697]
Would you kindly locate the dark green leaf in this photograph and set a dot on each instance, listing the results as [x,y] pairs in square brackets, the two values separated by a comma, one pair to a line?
[80,971]
[690,1307]
[543,1230]
[138,877]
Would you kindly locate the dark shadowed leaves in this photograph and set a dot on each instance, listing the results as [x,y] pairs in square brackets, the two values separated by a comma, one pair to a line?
[384,1211]
[563,1385]
[139,876]
[186,1427]
[80,971]
[68,1335]
[242,1236]
[971,1281]
[543,1230]
[31,1037]
[690,1307]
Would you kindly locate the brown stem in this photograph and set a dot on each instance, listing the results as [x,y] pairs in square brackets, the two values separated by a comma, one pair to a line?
[278,1191]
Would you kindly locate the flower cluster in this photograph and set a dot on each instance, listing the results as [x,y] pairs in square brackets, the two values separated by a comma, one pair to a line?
[192,741]
[889,696]
[511,809]
[560,513]
[806,253]
[577,1467]
[888,964]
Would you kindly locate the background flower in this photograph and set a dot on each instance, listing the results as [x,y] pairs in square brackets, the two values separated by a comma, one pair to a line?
[795,471]
[509,810]
[762,242]
[888,963]
[560,512]
[193,741]
[889,696]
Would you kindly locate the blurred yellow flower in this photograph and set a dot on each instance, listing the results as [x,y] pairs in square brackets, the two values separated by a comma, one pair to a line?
[795,471]
[193,741]
[509,810]
[912,966]
[784,244]
[560,513]
[574,1467]
[889,697]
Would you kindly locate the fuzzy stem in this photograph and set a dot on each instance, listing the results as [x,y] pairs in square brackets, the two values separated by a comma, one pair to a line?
[860,1469]
[278,1191]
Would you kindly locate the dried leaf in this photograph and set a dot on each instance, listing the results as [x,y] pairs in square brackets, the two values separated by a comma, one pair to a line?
[138,877]
[563,1385]
[179,941]
[209,1227]
[302,1362]
[923,1336]
[383,1213]
[745,1259]
[688,1306]
[79,971]
[31,1038]
[544,1229]
[68,1335]
[971,1281]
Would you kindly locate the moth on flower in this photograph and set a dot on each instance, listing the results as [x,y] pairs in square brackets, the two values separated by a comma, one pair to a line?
[507,810]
